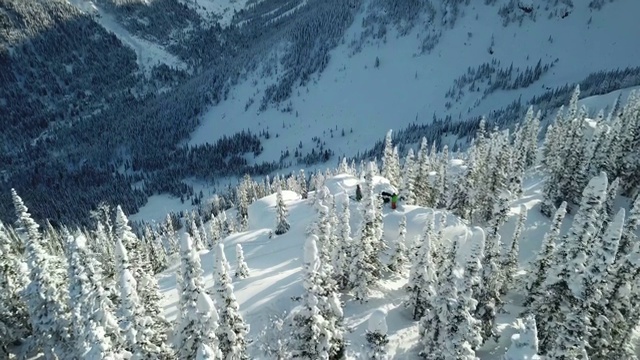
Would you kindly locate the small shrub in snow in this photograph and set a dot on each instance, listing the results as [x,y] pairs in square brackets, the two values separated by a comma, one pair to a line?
[377,338]
[242,270]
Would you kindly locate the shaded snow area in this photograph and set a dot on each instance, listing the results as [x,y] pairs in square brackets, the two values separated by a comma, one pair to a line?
[408,87]
[149,54]
[275,264]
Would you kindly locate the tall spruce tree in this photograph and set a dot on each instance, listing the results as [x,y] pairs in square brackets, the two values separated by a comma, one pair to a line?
[344,248]
[510,264]
[282,224]
[147,289]
[421,286]
[97,332]
[407,193]
[596,289]
[232,329]
[366,265]
[544,260]
[564,319]
[473,267]
[132,319]
[310,337]
[399,256]
[198,321]
[46,294]
[390,165]
[14,317]
[242,270]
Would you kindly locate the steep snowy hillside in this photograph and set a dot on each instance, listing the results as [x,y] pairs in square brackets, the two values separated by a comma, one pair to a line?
[149,54]
[376,84]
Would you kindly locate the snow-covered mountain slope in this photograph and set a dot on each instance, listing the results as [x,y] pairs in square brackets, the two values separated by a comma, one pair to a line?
[159,205]
[406,87]
[149,54]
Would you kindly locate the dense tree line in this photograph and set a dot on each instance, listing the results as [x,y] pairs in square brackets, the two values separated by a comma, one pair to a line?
[464,129]
[491,77]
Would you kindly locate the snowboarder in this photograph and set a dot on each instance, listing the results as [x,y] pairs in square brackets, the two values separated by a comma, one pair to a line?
[394,201]
[358,193]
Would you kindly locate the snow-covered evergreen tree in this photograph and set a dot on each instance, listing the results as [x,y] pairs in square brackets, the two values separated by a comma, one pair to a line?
[596,289]
[148,294]
[214,233]
[390,165]
[195,331]
[97,332]
[170,237]
[465,328]
[366,265]
[544,260]
[531,132]
[243,201]
[628,239]
[304,186]
[343,249]
[343,168]
[282,225]
[561,317]
[510,264]
[131,314]
[448,330]
[489,299]
[518,159]
[407,193]
[399,256]
[441,189]
[422,183]
[612,194]
[242,270]
[14,318]
[524,344]
[328,301]
[232,329]
[377,338]
[473,267]
[194,231]
[421,286]
[46,293]
[310,337]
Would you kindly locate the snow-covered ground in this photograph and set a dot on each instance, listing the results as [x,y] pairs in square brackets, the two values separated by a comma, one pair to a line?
[605,102]
[406,88]
[276,276]
[149,54]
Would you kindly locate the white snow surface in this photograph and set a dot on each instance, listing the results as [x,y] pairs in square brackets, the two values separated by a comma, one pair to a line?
[276,268]
[378,322]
